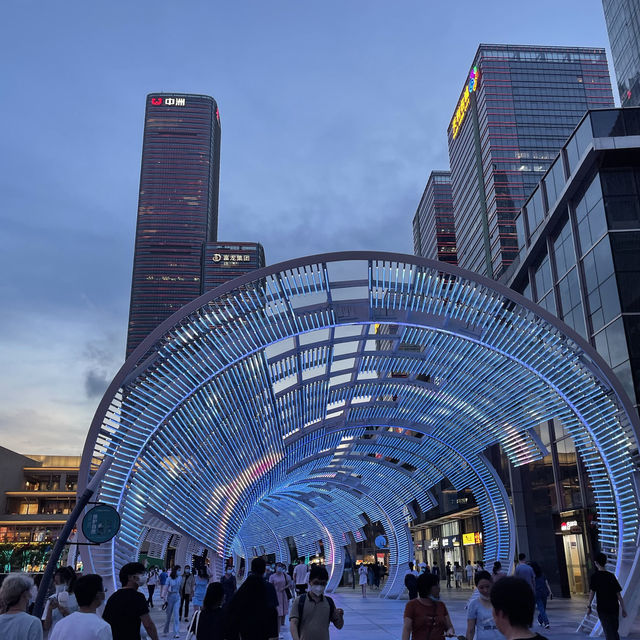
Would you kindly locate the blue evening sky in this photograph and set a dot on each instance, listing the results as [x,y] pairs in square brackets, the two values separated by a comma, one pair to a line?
[333,114]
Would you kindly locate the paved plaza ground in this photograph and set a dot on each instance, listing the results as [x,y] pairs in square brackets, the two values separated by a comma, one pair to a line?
[374,618]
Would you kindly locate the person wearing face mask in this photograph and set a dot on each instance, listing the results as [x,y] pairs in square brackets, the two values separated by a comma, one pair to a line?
[312,612]
[85,624]
[127,608]
[229,584]
[63,602]
[480,620]
[186,591]
[426,617]
[172,603]
[15,622]
[281,582]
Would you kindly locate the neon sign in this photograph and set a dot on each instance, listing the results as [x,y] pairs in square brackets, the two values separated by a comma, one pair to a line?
[169,102]
[463,104]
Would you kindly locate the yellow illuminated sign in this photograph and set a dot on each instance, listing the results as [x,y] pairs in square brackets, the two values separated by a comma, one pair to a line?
[465,99]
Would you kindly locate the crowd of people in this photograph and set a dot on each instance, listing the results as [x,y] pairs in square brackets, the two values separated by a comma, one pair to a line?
[500,607]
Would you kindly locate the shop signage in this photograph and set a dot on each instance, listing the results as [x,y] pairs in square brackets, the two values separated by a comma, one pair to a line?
[570,526]
[472,538]
[455,541]
[446,542]
[465,100]
[381,542]
[433,544]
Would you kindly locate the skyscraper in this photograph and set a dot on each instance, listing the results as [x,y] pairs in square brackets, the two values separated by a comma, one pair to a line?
[177,207]
[518,106]
[224,261]
[623,25]
[434,234]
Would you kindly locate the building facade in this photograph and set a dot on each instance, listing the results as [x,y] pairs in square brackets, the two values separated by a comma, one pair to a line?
[623,25]
[434,234]
[224,261]
[39,492]
[518,106]
[177,207]
[579,235]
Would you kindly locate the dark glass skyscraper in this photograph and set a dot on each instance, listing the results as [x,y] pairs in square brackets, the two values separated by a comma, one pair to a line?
[434,234]
[623,25]
[518,106]
[224,261]
[177,207]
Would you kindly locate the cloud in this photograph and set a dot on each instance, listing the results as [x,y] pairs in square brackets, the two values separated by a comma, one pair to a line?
[102,360]
[96,382]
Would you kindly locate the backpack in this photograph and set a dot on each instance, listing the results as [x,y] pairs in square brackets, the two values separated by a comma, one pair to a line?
[411,582]
[301,601]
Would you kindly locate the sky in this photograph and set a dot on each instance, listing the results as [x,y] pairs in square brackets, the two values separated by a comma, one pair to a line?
[333,115]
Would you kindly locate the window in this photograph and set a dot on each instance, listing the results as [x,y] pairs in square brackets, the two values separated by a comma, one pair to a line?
[627,264]
[607,123]
[563,250]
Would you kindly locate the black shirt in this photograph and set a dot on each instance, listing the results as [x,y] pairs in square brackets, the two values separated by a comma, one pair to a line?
[123,612]
[211,624]
[606,587]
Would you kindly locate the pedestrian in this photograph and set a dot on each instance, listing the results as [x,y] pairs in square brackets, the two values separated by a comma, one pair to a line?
[411,581]
[498,571]
[300,577]
[312,612]
[422,567]
[229,585]
[426,617]
[85,623]
[480,622]
[468,570]
[210,620]
[457,574]
[253,610]
[280,582]
[435,569]
[152,581]
[186,591]
[448,572]
[172,602]
[63,602]
[362,578]
[513,607]
[15,596]
[162,581]
[200,587]
[525,572]
[377,570]
[608,593]
[127,607]
[542,592]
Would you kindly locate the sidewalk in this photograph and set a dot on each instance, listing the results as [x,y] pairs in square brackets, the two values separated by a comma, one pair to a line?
[374,618]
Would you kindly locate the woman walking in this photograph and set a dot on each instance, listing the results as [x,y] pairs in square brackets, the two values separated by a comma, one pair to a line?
[426,617]
[280,580]
[362,578]
[152,581]
[172,603]
[200,588]
[480,622]
[542,592]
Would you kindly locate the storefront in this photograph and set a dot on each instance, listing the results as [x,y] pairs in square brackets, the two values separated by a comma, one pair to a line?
[575,546]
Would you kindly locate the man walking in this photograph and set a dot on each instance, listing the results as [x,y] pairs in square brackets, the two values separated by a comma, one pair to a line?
[300,577]
[525,572]
[127,608]
[607,591]
[312,612]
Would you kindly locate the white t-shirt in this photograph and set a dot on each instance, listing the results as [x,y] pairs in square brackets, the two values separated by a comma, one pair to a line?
[300,574]
[82,626]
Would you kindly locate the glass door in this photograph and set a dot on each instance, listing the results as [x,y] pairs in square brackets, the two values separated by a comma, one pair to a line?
[576,566]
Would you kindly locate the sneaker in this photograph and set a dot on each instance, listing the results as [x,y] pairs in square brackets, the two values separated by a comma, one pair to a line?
[546,626]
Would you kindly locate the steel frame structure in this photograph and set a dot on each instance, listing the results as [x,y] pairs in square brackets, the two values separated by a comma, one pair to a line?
[306,397]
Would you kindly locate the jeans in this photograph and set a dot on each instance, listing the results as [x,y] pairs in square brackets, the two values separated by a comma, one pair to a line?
[173,604]
[541,603]
[610,623]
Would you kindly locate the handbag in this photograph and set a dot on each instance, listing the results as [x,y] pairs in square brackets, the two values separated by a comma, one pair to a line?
[192,629]
[287,592]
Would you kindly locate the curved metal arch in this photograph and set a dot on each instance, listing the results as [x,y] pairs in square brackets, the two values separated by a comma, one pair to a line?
[402,290]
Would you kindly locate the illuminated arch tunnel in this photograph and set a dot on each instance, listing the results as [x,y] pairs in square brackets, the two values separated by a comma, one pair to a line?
[305,399]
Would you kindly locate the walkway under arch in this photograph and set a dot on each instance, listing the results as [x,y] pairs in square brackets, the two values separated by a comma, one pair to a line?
[314,394]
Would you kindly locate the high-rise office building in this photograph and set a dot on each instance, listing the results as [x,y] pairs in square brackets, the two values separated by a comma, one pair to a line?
[578,235]
[177,207]
[434,234]
[623,25]
[518,106]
